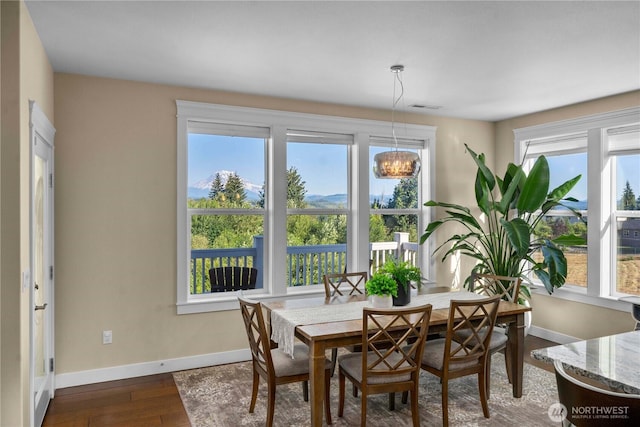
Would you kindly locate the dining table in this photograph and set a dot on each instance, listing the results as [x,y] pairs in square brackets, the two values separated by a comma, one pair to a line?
[324,323]
[612,360]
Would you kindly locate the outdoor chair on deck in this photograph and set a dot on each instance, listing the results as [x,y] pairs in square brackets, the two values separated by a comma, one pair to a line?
[394,340]
[339,284]
[227,279]
[456,356]
[274,365]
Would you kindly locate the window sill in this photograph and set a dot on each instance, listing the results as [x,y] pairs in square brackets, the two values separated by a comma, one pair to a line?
[229,301]
[577,294]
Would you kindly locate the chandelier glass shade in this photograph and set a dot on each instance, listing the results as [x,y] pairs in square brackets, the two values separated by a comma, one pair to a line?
[396,164]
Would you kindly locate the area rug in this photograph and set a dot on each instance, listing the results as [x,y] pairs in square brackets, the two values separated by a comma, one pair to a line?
[219,396]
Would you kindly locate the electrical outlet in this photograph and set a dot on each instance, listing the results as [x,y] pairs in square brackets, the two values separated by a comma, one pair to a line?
[107,337]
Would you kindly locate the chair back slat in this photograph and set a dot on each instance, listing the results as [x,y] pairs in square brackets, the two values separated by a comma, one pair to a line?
[257,334]
[228,279]
[394,340]
[339,284]
[477,318]
[508,288]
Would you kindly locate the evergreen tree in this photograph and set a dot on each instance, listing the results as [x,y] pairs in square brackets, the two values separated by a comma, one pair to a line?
[260,201]
[234,190]
[295,189]
[216,187]
[405,194]
[628,198]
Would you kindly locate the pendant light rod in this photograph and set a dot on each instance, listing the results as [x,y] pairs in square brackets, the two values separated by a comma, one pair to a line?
[396,69]
[395,164]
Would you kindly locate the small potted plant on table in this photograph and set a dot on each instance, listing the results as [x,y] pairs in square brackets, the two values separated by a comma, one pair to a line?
[382,288]
[403,273]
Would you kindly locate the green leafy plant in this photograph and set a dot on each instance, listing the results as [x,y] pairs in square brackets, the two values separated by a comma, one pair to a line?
[503,240]
[381,283]
[402,272]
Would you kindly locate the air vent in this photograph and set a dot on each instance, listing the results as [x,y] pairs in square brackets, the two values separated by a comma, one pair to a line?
[427,107]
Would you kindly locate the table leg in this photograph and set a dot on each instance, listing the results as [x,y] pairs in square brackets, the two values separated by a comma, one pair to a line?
[316,381]
[516,339]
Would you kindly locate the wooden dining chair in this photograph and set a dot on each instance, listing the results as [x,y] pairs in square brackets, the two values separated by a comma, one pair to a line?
[275,366]
[394,340]
[228,279]
[339,284]
[574,393]
[462,353]
[508,289]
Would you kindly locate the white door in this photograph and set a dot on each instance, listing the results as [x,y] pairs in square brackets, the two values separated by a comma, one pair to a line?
[41,293]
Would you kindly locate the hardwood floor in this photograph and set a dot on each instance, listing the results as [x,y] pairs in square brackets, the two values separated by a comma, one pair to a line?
[151,400]
[145,401]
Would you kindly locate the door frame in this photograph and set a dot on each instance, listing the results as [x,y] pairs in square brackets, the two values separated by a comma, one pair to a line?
[41,137]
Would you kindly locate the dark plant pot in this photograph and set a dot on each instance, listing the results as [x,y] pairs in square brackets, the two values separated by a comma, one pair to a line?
[404,296]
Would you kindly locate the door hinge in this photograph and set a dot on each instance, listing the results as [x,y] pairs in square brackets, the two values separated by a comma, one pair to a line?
[51,272]
[51,365]
[50,180]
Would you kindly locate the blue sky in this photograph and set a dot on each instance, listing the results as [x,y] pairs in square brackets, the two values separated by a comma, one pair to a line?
[324,166]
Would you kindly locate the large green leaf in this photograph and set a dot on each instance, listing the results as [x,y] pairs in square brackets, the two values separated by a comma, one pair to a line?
[543,276]
[535,188]
[433,226]
[432,203]
[569,240]
[482,168]
[482,193]
[556,263]
[518,233]
[563,189]
[510,194]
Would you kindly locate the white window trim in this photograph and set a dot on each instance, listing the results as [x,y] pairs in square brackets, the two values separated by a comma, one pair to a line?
[600,196]
[279,122]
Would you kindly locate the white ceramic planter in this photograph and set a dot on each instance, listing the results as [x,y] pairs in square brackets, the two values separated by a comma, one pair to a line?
[381,301]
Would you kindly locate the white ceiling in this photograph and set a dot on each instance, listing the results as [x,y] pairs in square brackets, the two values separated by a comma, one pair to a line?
[478,59]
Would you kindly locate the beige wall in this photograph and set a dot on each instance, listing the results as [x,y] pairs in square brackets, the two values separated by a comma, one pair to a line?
[116,218]
[566,317]
[26,75]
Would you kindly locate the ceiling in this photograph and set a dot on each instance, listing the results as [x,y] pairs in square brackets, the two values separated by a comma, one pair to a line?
[476,60]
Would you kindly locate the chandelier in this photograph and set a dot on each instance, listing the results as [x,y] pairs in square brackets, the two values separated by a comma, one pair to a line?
[396,164]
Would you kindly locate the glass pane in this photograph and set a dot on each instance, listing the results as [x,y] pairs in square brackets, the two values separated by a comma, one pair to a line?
[628,259]
[391,193]
[227,170]
[562,221]
[628,229]
[628,182]
[316,245]
[392,236]
[222,241]
[317,175]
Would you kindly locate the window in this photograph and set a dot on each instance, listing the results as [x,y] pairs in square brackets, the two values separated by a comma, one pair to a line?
[225,200]
[394,213]
[624,146]
[567,157]
[286,193]
[605,149]
[317,206]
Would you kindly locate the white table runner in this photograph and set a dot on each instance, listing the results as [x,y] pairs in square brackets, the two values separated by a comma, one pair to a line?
[284,322]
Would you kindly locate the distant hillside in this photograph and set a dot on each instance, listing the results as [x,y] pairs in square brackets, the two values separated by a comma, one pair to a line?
[314,200]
